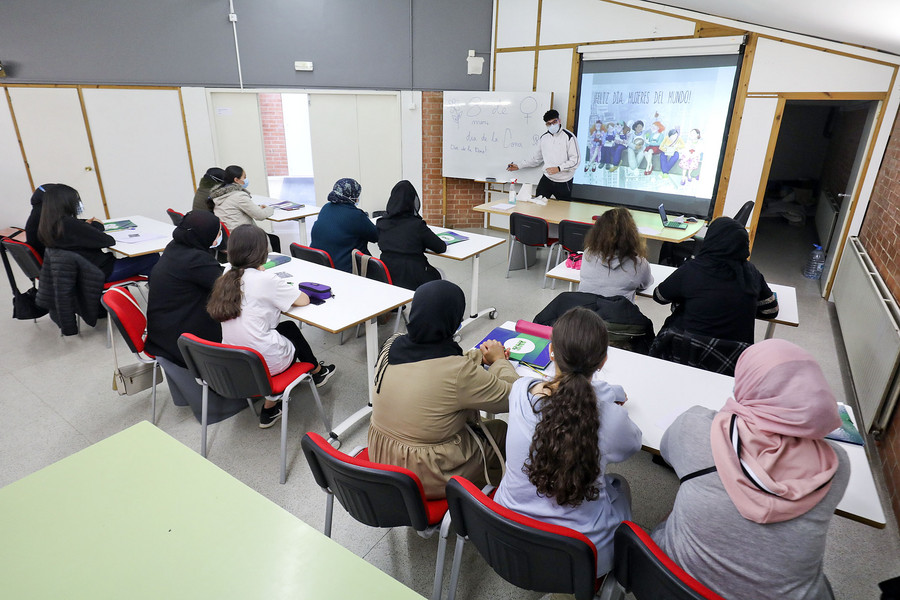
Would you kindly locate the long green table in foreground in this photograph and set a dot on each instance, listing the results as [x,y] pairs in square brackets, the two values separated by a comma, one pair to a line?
[139,515]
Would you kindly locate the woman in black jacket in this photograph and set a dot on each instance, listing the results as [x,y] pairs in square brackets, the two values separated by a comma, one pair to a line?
[403,237]
[182,280]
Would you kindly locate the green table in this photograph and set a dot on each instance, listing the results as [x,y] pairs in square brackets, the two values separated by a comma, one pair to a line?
[139,515]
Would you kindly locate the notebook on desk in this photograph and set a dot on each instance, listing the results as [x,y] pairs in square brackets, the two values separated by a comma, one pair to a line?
[286,205]
[275,260]
[527,349]
[122,225]
[451,237]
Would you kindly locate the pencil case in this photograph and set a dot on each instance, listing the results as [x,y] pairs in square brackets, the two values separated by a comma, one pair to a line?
[315,291]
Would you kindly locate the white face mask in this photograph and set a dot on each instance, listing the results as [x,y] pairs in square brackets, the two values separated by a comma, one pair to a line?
[218,240]
[80,208]
[246,182]
[554,129]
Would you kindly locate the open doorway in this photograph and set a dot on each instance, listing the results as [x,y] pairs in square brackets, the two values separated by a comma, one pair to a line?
[815,166]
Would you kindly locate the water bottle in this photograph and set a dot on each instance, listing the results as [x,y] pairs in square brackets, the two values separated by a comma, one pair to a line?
[815,264]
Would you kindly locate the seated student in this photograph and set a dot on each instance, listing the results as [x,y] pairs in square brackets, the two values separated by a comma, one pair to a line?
[615,257]
[34,219]
[428,393]
[759,483]
[248,301]
[59,227]
[720,293]
[341,226]
[234,205]
[403,237]
[182,281]
[562,436]
[213,178]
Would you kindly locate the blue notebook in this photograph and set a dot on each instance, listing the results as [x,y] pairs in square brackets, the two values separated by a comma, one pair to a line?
[275,260]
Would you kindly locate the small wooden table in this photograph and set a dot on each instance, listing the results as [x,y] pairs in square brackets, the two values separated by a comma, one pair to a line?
[139,515]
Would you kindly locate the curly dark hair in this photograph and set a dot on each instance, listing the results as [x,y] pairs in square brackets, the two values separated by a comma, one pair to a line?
[615,235]
[564,457]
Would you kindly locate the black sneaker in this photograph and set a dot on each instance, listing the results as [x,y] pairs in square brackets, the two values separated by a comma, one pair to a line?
[269,416]
[324,374]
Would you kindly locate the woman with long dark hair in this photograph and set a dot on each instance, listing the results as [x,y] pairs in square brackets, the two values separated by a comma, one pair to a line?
[248,301]
[61,228]
[562,435]
[615,257]
[719,293]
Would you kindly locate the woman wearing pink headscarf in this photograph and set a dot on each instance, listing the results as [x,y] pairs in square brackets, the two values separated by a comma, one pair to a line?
[759,483]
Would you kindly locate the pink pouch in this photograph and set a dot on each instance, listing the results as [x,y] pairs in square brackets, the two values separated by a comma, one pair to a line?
[574,261]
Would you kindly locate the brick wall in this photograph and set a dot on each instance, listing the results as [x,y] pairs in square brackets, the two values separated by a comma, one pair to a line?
[273,134]
[462,194]
[880,235]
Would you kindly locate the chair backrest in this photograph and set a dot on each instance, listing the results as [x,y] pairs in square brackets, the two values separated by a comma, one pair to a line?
[232,371]
[374,494]
[313,255]
[524,551]
[127,316]
[374,268]
[531,231]
[645,571]
[25,256]
[743,215]
[176,216]
[572,234]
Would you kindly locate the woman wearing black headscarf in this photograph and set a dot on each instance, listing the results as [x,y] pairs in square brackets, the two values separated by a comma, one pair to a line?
[428,393]
[719,293]
[182,280]
[403,237]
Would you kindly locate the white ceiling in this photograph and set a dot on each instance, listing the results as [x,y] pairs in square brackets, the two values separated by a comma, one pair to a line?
[871,23]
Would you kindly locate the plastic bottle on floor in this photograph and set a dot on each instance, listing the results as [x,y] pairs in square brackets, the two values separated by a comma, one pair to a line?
[815,264]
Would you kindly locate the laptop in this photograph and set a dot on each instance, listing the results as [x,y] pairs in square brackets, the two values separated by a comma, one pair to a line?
[667,223]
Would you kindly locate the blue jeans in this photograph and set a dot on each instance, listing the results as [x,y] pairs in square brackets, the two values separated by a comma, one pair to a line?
[130,266]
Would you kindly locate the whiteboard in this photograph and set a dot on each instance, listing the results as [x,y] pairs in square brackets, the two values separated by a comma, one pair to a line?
[485,131]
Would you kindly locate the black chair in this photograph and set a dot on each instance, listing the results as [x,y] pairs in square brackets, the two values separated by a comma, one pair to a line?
[526,552]
[571,239]
[375,269]
[176,216]
[239,372]
[313,255]
[376,495]
[646,572]
[743,215]
[26,257]
[529,231]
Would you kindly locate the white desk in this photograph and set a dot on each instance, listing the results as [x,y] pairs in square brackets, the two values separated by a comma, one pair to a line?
[471,248]
[658,391]
[788,313]
[299,215]
[158,234]
[141,516]
[356,300]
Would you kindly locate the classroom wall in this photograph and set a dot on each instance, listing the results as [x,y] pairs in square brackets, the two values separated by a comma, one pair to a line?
[880,236]
[391,44]
[272,117]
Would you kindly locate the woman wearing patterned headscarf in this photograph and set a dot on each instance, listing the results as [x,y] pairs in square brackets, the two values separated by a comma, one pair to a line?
[759,483]
[342,226]
[720,293]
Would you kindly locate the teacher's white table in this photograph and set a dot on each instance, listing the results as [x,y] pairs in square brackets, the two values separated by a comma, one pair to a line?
[464,250]
[356,300]
[141,516]
[148,237]
[788,313]
[658,391]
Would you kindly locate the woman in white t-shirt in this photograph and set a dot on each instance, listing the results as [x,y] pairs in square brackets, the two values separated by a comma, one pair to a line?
[248,301]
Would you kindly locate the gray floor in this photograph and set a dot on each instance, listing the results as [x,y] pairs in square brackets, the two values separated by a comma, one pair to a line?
[55,399]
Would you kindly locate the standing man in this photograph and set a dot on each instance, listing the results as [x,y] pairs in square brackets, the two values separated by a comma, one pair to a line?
[558,152]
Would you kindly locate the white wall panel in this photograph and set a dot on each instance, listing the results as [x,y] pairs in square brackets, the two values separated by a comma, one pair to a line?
[515,72]
[139,136]
[238,136]
[199,125]
[554,75]
[335,141]
[380,165]
[750,154]
[517,23]
[14,206]
[582,21]
[411,140]
[780,67]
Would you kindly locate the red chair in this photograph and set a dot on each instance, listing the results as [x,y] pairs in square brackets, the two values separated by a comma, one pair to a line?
[376,495]
[529,231]
[645,571]
[177,217]
[239,372]
[525,552]
[313,255]
[130,321]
